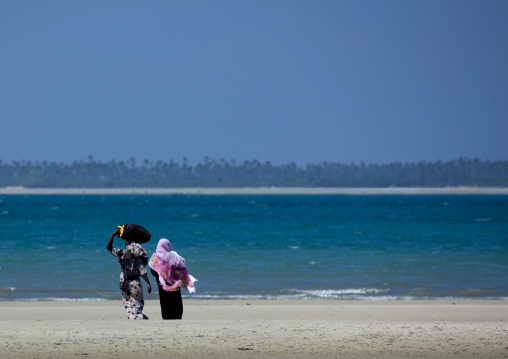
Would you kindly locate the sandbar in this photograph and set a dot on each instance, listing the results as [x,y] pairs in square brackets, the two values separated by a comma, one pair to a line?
[464,190]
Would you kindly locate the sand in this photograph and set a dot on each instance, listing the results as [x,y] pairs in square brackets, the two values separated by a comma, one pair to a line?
[258,329]
[256,191]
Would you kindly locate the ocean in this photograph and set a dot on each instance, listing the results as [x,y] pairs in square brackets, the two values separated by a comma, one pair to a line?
[326,247]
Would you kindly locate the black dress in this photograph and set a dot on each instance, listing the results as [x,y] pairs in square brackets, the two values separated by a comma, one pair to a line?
[171,302]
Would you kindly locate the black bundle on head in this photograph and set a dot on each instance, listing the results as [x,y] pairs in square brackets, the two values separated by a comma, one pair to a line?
[134,232]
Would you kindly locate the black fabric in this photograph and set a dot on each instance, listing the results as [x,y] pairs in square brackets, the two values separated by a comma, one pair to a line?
[171,302]
[136,233]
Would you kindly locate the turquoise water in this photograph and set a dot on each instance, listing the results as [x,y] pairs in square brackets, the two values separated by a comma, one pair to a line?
[265,246]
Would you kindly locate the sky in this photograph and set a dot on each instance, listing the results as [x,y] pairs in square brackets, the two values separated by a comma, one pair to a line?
[267,80]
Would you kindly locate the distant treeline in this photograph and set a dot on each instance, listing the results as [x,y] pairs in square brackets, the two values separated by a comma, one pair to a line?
[223,173]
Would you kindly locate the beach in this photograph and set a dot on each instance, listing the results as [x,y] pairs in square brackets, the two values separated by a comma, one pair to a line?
[336,252]
[258,329]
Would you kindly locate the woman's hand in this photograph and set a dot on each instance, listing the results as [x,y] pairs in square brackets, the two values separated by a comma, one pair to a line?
[148,286]
[116,232]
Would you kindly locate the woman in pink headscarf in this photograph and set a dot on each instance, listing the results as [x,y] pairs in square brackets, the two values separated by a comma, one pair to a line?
[171,275]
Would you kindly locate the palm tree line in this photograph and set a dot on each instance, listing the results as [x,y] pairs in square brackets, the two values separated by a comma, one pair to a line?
[228,173]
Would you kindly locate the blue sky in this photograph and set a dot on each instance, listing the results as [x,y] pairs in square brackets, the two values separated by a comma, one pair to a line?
[279,81]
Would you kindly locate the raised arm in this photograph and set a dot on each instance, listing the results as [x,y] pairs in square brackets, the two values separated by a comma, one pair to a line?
[109,246]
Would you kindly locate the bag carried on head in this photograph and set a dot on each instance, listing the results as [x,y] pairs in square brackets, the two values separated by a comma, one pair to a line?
[134,232]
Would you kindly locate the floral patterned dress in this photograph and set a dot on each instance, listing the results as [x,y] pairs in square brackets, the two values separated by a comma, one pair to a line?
[133,260]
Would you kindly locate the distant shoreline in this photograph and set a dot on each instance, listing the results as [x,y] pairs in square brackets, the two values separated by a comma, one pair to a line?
[461,190]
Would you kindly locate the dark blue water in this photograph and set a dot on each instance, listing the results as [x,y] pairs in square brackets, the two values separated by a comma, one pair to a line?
[263,246]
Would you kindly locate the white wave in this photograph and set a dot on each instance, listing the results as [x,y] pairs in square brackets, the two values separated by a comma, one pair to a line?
[219,296]
[64,299]
[12,289]
[347,294]
[341,292]
[299,296]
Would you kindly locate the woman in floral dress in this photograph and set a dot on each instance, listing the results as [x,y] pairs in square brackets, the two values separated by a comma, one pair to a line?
[133,260]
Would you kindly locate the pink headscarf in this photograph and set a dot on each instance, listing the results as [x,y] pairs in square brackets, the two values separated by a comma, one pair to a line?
[171,268]
[164,253]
